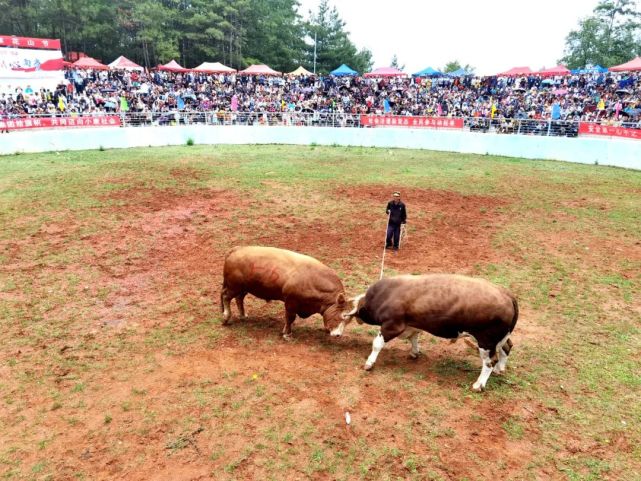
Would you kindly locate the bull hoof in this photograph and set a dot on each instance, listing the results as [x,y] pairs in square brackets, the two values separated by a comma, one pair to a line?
[288,337]
[368,367]
[414,355]
[498,372]
[226,322]
[477,388]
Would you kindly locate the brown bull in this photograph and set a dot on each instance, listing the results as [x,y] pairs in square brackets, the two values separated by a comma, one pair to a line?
[445,305]
[304,284]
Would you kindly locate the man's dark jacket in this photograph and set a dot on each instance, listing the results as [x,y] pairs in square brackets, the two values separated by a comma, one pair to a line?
[397,213]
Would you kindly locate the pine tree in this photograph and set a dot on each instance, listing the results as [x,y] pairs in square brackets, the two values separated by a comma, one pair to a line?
[333,46]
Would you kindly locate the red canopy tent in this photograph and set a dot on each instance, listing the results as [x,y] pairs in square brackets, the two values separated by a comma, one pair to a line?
[634,64]
[124,63]
[259,70]
[89,63]
[386,72]
[515,72]
[172,67]
[558,70]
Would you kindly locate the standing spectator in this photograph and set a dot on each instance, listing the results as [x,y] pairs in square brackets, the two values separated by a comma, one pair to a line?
[397,216]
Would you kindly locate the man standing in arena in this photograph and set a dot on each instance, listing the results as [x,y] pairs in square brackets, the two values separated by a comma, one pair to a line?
[397,216]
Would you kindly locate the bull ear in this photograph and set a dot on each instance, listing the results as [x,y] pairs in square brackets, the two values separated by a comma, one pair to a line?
[340,300]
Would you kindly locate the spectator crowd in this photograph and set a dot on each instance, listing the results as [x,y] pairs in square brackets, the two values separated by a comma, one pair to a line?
[607,98]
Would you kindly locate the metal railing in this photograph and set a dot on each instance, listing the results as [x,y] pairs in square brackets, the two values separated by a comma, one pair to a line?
[290,119]
[547,128]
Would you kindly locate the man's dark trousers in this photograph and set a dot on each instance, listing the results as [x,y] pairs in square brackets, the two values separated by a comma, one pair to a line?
[393,233]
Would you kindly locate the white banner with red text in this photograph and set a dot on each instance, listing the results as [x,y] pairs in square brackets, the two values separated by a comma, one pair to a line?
[410,122]
[53,122]
[24,65]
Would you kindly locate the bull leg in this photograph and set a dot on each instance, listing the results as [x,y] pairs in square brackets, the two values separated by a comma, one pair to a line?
[240,302]
[486,370]
[411,335]
[388,332]
[225,299]
[377,345]
[290,317]
[503,349]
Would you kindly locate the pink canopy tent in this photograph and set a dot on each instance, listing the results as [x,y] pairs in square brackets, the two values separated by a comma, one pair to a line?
[124,63]
[515,72]
[259,70]
[386,72]
[89,63]
[558,70]
[634,64]
[172,67]
[215,67]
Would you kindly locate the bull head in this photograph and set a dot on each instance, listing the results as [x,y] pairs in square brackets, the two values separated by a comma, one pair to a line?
[347,316]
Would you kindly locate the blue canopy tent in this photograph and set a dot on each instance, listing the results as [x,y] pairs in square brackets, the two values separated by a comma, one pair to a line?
[459,73]
[589,69]
[342,71]
[427,72]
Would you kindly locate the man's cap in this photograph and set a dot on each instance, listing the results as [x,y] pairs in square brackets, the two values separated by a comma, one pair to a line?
[396,194]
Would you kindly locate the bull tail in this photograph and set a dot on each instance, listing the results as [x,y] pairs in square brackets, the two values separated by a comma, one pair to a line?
[516,313]
[507,346]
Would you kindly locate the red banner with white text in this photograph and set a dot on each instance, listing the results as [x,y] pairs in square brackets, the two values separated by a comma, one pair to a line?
[608,131]
[28,42]
[54,122]
[410,122]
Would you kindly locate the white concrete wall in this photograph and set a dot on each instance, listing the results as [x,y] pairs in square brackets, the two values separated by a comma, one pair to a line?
[605,151]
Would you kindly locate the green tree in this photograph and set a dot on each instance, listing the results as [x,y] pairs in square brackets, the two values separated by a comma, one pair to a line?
[274,34]
[394,63]
[456,65]
[333,46]
[19,17]
[611,35]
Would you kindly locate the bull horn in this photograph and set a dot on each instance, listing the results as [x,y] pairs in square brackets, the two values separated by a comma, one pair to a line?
[356,301]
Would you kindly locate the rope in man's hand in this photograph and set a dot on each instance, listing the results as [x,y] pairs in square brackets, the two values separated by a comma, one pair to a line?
[403,236]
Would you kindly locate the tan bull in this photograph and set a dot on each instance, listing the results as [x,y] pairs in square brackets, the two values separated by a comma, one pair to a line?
[304,284]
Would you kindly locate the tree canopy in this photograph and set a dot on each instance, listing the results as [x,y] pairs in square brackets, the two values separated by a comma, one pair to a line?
[326,30]
[610,36]
[455,65]
[234,32]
